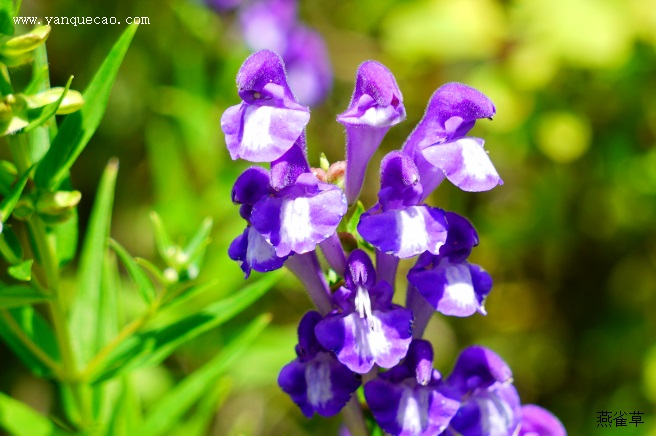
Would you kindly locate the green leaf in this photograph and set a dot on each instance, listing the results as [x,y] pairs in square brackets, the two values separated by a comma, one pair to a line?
[200,240]
[21,420]
[22,271]
[201,419]
[86,316]
[127,414]
[8,204]
[38,330]
[48,111]
[176,298]
[138,276]
[10,246]
[78,127]
[7,17]
[352,224]
[164,244]
[8,174]
[19,295]
[152,346]
[166,413]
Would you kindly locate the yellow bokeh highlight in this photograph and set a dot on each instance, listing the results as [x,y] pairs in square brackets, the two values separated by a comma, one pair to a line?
[563,136]
[583,33]
[443,29]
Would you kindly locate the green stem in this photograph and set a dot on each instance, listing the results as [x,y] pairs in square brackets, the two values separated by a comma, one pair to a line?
[352,414]
[125,333]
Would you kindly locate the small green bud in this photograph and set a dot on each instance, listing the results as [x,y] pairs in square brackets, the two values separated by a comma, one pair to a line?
[56,203]
[323,162]
[72,102]
[18,46]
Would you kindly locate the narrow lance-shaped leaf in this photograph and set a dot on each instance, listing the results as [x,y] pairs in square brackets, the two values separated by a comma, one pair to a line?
[152,346]
[21,420]
[86,314]
[38,331]
[8,204]
[78,128]
[138,276]
[48,111]
[19,295]
[166,413]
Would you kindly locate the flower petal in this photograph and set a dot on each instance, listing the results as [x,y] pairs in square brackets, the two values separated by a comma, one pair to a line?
[405,233]
[266,133]
[382,338]
[448,288]
[252,251]
[492,412]
[404,409]
[465,163]
[297,223]
[537,421]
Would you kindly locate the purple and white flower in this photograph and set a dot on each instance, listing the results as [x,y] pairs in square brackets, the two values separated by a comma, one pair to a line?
[489,404]
[251,249]
[316,381]
[440,148]
[537,421]
[300,211]
[376,105]
[405,400]
[367,329]
[446,281]
[398,224]
[269,120]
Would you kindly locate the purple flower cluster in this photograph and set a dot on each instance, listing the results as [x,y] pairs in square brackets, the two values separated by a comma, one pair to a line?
[358,330]
[273,25]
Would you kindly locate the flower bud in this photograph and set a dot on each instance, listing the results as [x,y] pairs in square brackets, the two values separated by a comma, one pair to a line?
[56,203]
[72,101]
[19,45]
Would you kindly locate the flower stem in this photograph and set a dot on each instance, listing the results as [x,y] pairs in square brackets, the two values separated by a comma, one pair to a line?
[354,419]
[306,268]
[125,333]
[421,310]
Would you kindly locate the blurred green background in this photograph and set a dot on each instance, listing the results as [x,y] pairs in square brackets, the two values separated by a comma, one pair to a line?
[570,238]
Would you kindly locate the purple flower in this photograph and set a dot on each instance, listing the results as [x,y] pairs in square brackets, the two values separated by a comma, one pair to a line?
[537,421]
[405,400]
[251,249]
[482,383]
[266,23]
[376,105]
[449,283]
[272,25]
[367,329]
[439,145]
[316,381]
[397,225]
[223,5]
[269,120]
[300,211]
[309,70]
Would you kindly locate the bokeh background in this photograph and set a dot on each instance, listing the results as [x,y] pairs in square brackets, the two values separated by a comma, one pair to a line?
[570,238]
